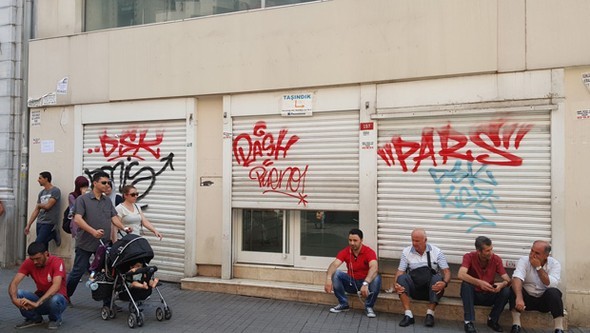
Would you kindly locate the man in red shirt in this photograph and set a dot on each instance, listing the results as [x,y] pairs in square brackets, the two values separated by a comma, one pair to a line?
[50,298]
[478,273]
[361,278]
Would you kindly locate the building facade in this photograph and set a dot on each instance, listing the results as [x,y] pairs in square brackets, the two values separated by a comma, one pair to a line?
[259,132]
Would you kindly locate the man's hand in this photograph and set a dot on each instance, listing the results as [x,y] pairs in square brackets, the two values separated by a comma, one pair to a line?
[439,286]
[27,229]
[485,286]
[328,286]
[98,233]
[535,262]
[399,288]
[365,291]
[519,304]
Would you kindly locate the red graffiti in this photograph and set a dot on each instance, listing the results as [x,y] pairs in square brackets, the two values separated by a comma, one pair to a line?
[128,144]
[263,144]
[248,148]
[495,140]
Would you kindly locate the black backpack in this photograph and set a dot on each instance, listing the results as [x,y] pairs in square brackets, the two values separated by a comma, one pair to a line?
[67,221]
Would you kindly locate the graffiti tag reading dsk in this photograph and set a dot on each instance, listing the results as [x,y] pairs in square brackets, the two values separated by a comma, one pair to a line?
[126,147]
[259,150]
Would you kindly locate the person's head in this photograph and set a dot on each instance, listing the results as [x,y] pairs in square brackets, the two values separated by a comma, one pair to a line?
[44,178]
[80,185]
[38,253]
[484,248]
[419,240]
[100,181]
[540,250]
[130,193]
[137,265]
[355,239]
[109,188]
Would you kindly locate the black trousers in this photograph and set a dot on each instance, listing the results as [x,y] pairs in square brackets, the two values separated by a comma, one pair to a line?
[550,301]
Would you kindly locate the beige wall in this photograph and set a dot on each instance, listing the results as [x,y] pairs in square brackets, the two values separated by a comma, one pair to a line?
[577,205]
[57,125]
[209,162]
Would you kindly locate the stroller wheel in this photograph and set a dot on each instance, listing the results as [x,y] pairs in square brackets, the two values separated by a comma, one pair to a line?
[159,314]
[104,313]
[167,313]
[132,320]
[140,319]
[112,313]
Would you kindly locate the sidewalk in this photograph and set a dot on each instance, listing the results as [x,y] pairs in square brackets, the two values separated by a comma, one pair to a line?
[214,312]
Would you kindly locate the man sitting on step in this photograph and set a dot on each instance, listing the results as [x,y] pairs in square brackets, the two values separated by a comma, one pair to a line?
[534,286]
[361,278]
[478,272]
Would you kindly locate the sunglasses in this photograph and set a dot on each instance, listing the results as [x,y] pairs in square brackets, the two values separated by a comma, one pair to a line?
[134,194]
[105,182]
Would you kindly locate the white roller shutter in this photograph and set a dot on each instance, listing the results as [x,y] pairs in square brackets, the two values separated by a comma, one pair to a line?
[457,201]
[157,168]
[320,170]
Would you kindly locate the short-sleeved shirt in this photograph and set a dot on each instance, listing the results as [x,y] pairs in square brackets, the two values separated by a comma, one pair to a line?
[98,213]
[130,218]
[487,274]
[52,215]
[44,276]
[411,259]
[531,282]
[358,267]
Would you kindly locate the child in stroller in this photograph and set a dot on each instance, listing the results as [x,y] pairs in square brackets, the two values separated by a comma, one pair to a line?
[139,279]
[129,257]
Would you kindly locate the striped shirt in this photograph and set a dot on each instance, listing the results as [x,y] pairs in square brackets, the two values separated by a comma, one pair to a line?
[412,259]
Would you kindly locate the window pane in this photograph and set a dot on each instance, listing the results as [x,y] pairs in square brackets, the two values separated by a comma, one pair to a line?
[272,3]
[325,233]
[262,230]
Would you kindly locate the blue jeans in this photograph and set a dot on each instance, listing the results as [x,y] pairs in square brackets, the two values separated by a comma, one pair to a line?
[422,294]
[45,233]
[471,298]
[344,283]
[53,307]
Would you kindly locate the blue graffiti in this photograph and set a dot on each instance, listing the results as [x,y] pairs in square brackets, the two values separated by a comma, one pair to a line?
[470,193]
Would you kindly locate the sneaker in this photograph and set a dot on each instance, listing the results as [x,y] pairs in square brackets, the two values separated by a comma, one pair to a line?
[370,312]
[29,323]
[53,325]
[340,308]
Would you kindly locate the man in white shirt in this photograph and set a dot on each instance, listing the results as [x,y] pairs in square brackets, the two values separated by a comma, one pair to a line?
[534,286]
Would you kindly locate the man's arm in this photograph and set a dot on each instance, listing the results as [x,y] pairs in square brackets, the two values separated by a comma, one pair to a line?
[441,285]
[13,288]
[116,221]
[398,287]
[463,275]
[55,285]
[96,233]
[32,219]
[329,273]
[47,206]
[371,274]
[517,288]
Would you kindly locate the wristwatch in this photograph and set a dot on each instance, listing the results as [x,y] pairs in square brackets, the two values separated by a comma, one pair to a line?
[538,268]
[365,283]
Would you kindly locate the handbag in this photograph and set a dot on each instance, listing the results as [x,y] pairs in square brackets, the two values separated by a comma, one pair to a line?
[422,275]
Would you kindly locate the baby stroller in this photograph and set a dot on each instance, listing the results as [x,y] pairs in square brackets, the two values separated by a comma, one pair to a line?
[114,281]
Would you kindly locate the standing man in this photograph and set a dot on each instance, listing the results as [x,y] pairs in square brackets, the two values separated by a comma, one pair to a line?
[534,286]
[361,278]
[46,212]
[50,278]
[423,281]
[478,272]
[93,213]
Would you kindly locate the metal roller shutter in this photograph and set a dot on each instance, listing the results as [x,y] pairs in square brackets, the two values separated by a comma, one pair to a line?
[158,170]
[500,187]
[319,170]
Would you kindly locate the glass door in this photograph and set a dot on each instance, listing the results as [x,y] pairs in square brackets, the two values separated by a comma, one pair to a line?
[264,236]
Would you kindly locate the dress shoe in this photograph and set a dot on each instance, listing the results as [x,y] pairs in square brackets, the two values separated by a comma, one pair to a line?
[557,330]
[470,328]
[429,320]
[515,329]
[494,325]
[407,321]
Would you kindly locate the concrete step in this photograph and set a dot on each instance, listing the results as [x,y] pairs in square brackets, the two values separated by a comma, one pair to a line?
[450,308]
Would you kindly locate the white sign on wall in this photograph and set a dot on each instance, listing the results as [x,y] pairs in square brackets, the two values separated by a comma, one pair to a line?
[297,104]
[586,80]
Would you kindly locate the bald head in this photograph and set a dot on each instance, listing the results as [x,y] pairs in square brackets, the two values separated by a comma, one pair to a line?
[419,240]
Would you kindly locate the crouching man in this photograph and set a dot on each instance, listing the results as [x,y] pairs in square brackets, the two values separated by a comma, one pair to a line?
[50,298]
[362,277]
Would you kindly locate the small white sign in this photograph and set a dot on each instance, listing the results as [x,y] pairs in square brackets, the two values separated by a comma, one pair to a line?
[297,104]
[583,114]
[62,86]
[35,118]
[47,146]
